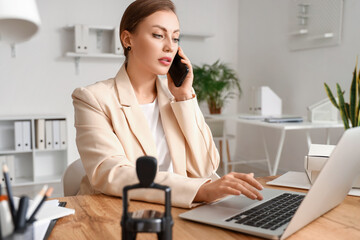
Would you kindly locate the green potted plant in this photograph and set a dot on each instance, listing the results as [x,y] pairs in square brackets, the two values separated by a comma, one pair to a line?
[349,111]
[215,84]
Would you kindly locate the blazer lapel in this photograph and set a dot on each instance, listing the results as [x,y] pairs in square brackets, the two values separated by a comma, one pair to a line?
[133,113]
[174,136]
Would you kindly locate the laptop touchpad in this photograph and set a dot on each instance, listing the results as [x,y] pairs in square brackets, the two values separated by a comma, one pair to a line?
[237,202]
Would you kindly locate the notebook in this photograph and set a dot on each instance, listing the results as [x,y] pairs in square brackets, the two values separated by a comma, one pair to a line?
[340,170]
[284,119]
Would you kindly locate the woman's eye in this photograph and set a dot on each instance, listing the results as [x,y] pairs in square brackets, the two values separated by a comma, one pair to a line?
[157,35]
[176,40]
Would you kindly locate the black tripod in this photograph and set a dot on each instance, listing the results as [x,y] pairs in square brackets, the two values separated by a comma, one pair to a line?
[146,220]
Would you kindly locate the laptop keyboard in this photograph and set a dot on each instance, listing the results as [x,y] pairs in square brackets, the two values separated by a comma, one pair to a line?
[271,214]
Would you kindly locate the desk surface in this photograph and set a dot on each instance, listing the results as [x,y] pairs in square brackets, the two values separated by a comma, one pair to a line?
[98,217]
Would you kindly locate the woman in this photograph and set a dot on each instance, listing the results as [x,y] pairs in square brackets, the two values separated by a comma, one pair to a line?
[136,114]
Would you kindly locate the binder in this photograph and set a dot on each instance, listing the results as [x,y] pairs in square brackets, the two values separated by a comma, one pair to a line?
[18,136]
[63,135]
[85,38]
[2,161]
[48,134]
[9,160]
[79,46]
[56,134]
[40,133]
[117,48]
[26,134]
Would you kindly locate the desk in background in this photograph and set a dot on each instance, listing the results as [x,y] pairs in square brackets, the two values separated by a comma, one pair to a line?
[98,217]
[283,128]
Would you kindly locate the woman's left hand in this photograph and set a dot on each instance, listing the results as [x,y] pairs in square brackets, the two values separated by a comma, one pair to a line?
[184,92]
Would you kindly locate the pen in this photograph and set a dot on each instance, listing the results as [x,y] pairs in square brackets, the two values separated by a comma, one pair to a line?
[47,194]
[9,193]
[36,201]
[21,214]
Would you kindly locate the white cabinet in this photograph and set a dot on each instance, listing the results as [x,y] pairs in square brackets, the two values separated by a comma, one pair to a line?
[35,163]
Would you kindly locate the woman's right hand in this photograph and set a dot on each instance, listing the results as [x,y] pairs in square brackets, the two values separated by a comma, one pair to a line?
[231,184]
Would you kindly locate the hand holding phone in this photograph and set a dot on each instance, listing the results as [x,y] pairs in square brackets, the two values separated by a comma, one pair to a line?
[178,70]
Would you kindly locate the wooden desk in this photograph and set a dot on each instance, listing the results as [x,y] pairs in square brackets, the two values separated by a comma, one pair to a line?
[98,217]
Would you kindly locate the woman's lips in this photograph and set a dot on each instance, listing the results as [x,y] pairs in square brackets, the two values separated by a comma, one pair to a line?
[166,61]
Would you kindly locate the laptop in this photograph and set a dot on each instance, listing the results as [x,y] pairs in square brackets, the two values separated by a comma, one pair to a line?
[282,213]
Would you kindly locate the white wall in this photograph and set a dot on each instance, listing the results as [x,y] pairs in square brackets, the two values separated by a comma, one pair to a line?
[296,76]
[40,79]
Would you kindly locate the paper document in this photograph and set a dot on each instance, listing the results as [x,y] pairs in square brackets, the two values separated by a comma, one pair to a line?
[300,180]
[50,210]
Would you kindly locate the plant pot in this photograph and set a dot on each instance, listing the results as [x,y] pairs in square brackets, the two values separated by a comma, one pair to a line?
[213,109]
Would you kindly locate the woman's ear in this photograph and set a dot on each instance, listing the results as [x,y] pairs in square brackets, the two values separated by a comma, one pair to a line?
[125,38]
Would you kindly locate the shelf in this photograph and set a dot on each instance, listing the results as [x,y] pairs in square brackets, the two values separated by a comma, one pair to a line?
[94,55]
[49,150]
[23,181]
[48,179]
[30,117]
[38,180]
[93,27]
[196,35]
[77,57]
[13,151]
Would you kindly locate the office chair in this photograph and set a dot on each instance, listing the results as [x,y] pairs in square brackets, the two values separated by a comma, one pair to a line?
[72,178]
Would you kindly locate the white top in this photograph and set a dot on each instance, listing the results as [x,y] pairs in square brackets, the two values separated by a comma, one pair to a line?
[152,114]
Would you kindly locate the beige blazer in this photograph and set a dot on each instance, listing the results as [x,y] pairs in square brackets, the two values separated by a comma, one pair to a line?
[112,132]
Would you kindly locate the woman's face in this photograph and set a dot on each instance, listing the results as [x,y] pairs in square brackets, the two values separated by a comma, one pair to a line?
[155,42]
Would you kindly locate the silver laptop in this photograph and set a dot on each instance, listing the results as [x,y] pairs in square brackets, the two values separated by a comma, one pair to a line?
[282,213]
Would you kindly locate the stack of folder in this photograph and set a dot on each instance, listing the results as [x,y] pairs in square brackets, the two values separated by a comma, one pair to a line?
[22,135]
[50,134]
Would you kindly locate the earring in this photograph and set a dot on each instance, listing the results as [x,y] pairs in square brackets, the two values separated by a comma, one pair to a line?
[128,48]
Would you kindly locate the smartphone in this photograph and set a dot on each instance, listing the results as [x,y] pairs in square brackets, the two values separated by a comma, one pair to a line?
[178,70]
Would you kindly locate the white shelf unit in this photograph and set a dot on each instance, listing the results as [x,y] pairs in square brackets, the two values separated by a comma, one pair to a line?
[92,41]
[34,166]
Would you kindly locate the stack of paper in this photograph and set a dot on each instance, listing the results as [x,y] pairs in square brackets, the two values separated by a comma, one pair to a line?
[50,210]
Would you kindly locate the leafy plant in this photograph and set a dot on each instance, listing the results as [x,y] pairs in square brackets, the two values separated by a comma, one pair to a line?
[215,84]
[349,111]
